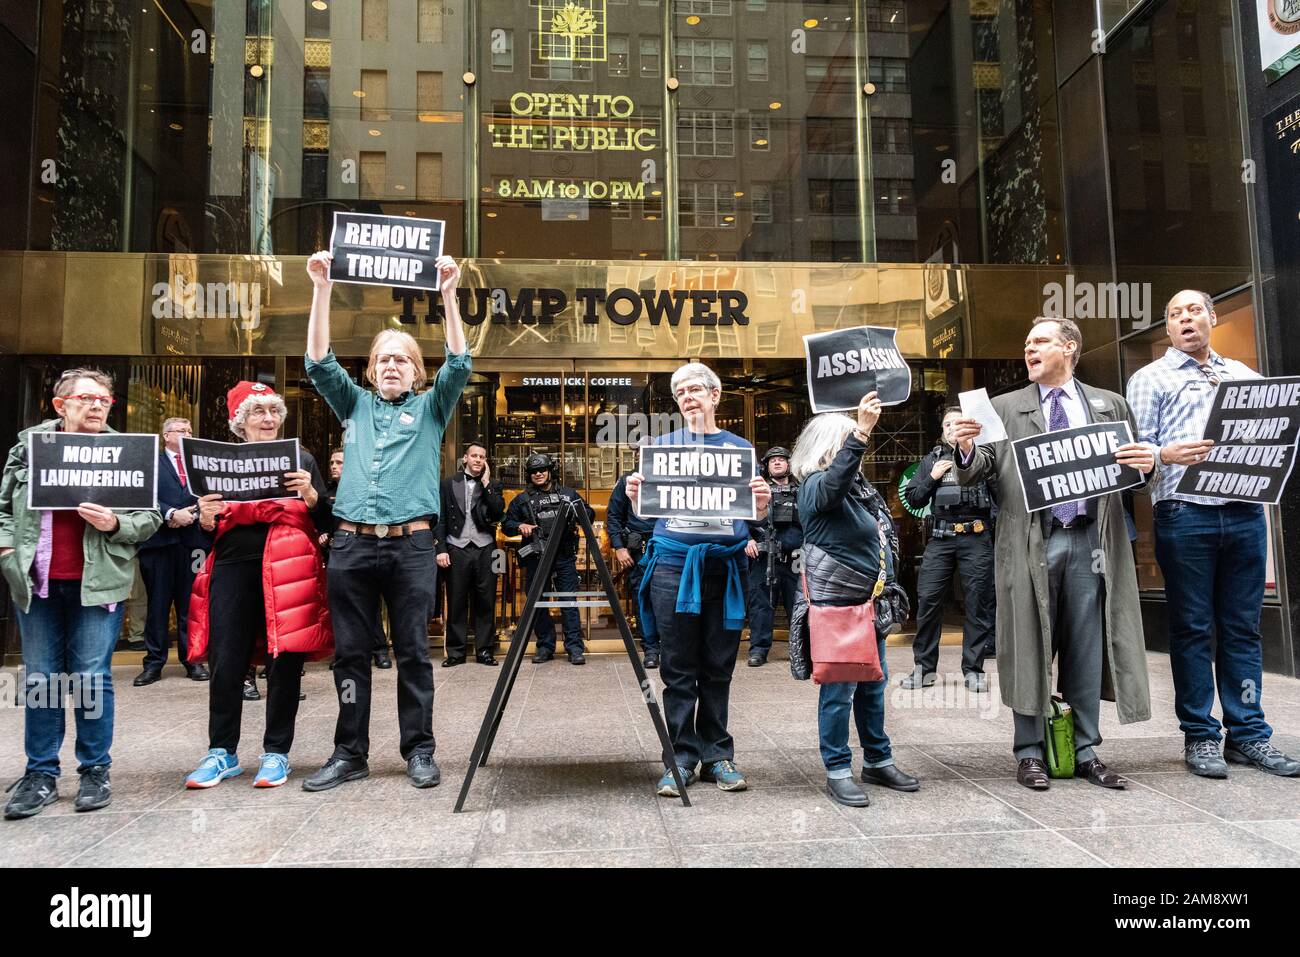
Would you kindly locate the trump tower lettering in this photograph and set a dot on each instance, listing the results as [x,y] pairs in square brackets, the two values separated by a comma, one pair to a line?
[1073,465]
[112,469]
[1254,426]
[846,364]
[386,250]
[696,481]
[240,471]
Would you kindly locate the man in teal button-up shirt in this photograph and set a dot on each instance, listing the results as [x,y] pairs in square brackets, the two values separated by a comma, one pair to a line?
[387,504]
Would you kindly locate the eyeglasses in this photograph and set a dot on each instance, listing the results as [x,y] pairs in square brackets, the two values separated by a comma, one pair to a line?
[87,399]
[400,361]
[695,391]
[260,412]
[179,432]
[538,471]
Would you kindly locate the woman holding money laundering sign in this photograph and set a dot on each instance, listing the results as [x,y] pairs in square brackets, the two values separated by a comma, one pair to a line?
[69,573]
[260,597]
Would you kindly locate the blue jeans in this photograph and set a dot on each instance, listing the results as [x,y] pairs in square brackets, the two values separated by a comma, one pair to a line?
[867,701]
[1213,560]
[68,648]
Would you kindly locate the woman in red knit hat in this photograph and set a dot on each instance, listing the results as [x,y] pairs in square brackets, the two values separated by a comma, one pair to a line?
[261,596]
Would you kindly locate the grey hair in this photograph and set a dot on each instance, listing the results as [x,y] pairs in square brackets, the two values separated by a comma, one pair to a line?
[1069,333]
[695,370]
[1205,298]
[241,415]
[819,443]
[168,423]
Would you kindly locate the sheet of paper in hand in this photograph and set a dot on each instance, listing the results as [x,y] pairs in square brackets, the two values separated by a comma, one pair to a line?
[1073,465]
[374,250]
[696,481]
[846,364]
[240,471]
[112,469]
[1255,425]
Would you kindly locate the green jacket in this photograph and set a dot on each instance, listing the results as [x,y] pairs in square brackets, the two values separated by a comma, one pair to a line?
[110,559]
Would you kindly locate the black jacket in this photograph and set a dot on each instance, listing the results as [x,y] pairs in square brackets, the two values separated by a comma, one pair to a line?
[172,495]
[621,518]
[519,513]
[488,509]
[922,489]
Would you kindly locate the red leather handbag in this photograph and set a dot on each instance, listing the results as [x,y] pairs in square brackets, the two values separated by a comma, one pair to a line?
[842,638]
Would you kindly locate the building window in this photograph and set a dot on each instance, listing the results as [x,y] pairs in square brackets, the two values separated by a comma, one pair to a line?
[894,197]
[836,251]
[315,93]
[760,133]
[708,205]
[886,17]
[374,20]
[317,22]
[1153,180]
[833,197]
[706,133]
[890,135]
[539,69]
[1189,48]
[991,118]
[755,6]
[703,8]
[374,175]
[649,56]
[1193,111]
[829,74]
[429,25]
[618,55]
[761,204]
[428,176]
[428,93]
[984,39]
[705,62]
[888,73]
[503,60]
[315,174]
[833,134]
[757,65]
[1148,109]
[374,102]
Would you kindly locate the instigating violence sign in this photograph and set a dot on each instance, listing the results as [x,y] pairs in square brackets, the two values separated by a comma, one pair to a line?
[696,481]
[846,364]
[374,250]
[112,469]
[1074,465]
[240,471]
[1254,425]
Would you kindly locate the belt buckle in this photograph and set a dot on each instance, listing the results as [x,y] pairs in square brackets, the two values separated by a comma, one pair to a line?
[978,527]
[959,527]
[381,531]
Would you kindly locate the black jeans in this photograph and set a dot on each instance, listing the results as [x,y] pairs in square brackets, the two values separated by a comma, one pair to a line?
[564,577]
[168,576]
[697,657]
[471,589]
[762,611]
[404,572]
[237,628]
[972,555]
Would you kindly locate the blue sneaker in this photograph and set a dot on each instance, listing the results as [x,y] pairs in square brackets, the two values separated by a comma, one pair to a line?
[724,775]
[668,787]
[273,772]
[214,769]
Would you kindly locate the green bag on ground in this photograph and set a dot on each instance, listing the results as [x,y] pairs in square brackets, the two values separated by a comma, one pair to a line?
[1058,740]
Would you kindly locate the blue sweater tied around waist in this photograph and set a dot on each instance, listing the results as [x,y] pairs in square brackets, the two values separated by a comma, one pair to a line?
[690,589]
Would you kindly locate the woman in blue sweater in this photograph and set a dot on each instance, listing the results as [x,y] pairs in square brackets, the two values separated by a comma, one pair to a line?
[842,517]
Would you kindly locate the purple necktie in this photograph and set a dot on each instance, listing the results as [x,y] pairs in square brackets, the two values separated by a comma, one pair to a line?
[1057,420]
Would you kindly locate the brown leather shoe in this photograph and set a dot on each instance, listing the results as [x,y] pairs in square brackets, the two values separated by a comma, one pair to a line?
[1032,773]
[1100,775]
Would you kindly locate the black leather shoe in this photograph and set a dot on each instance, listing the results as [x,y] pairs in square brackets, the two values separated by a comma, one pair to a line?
[577,658]
[846,791]
[335,772]
[250,690]
[756,659]
[486,660]
[1097,773]
[890,776]
[34,793]
[147,677]
[423,771]
[452,662]
[95,790]
[383,662]
[543,655]
[197,673]
[651,661]
[1032,773]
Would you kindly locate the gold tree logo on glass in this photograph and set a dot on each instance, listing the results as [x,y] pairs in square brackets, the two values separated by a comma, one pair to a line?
[572,30]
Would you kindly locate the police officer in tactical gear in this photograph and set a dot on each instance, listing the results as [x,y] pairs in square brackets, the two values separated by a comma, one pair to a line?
[628,535]
[961,538]
[774,542]
[537,513]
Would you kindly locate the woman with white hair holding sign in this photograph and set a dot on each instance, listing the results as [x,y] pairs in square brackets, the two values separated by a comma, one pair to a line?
[850,551]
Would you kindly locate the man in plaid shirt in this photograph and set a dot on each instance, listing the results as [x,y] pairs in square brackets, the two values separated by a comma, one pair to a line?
[1212,553]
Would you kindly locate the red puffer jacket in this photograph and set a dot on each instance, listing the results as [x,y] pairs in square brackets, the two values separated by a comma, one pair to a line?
[293,582]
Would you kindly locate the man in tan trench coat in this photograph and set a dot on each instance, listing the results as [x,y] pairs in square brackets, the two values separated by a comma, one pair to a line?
[1066,584]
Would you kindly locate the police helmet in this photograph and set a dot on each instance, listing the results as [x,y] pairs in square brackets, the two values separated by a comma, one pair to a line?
[539,462]
[776,451]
